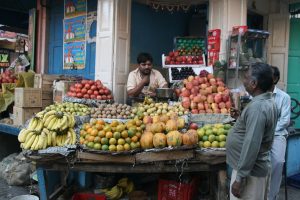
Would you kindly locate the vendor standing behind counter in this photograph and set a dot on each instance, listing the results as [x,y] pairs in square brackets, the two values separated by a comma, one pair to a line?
[144,80]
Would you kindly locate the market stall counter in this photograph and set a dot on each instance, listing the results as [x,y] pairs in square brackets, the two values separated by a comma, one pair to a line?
[211,161]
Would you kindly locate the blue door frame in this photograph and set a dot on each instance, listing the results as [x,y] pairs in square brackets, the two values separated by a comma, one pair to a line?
[55,58]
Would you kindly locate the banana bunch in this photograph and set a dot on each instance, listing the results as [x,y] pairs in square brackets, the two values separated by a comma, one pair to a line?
[58,121]
[36,140]
[124,186]
[114,193]
[36,124]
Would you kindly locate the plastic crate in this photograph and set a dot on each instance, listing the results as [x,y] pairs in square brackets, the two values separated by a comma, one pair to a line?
[88,196]
[294,181]
[172,190]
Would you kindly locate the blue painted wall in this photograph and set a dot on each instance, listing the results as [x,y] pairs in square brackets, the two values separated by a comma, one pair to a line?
[56,42]
[154,32]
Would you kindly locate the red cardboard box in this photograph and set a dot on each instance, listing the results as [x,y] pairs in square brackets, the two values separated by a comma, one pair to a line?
[214,33]
[213,56]
[88,196]
[173,190]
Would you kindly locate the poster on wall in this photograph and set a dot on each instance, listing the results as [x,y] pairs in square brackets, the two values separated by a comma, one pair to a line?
[4,58]
[74,55]
[74,8]
[74,29]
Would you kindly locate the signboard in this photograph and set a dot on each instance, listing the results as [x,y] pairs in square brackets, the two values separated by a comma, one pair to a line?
[74,29]
[74,8]
[4,58]
[74,55]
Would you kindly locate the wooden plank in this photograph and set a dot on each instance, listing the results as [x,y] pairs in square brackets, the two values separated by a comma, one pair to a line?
[146,157]
[106,158]
[128,168]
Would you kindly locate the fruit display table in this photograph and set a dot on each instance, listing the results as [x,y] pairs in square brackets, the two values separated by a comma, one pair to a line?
[192,161]
[9,129]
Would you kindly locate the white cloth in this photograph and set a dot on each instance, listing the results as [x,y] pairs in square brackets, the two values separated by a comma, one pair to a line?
[277,160]
[253,188]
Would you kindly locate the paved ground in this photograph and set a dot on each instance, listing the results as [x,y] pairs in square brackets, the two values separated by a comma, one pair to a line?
[7,192]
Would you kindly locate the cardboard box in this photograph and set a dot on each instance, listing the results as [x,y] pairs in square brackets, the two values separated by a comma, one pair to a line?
[45,81]
[60,89]
[28,97]
[21,115]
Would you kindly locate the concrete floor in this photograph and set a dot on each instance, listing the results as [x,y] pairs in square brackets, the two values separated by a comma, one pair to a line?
[8,192]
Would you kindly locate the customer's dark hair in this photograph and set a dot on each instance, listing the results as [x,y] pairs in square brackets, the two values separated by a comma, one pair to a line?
[263,74]
[276,73]
[143,57]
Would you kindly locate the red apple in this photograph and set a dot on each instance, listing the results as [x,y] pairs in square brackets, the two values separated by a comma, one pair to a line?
[193,126]
[222,105]
[200,106]
[210,99]
[218,98]
[90,92]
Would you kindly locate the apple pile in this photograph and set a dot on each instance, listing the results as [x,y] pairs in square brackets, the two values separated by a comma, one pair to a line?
[89,89]
[8,77]
[205,94]
[177,58]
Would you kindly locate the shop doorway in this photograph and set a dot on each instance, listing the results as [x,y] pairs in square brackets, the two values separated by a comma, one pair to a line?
[293,81]
[154,27]
[56,43]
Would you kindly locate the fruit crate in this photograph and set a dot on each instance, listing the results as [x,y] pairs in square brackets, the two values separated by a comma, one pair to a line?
[202,64]
[175,72]
[173,190]
[189,42]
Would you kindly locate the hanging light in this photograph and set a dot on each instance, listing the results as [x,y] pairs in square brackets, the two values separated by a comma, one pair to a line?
[169,5]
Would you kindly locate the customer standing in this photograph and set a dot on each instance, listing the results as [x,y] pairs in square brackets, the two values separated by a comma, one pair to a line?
[250,140]
[283,104]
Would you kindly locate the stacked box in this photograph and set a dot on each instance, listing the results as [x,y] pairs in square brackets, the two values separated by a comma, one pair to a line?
[28,101]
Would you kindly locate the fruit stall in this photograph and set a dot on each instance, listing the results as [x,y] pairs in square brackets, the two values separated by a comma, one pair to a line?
[85,131]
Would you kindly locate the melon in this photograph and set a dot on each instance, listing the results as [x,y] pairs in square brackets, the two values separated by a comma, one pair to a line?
[171,125]
[146,140]
[158,127]
[190,138]
[159,140]
[174,139]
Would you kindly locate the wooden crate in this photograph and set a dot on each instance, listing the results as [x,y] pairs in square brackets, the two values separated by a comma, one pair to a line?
[28,97]
[105,158]
[47,94]
[46,102]
[21,115]
[45,81]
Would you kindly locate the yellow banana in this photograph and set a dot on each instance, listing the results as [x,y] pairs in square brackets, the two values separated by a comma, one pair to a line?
[123,182]
[52,112]
[33,123]
[30,141]
[29,135]
[63,125]
[49,119]
[34,146]
[45,141]
[23,134]
[40,114]
[58,140]
[52,123]
[48,134]
[39,126]
[74,137]
[53,138]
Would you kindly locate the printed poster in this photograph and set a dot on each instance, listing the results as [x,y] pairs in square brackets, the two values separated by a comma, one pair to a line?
[74,55]
[74,8]
[75,29]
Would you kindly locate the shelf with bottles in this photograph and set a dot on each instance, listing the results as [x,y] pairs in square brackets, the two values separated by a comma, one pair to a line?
[247,48]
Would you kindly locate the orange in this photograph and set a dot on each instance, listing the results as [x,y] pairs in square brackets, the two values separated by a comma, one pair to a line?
[81,140]
[138,134]
[94,132]
[104,141]
[109,134]
[101,133]
[91,138]
[126,147]
[121,141]
[112,141]
[82,132]
[124,134]
[128,140]
[97,139]
[134,139]
[86,126]
[100,122]
[89,130]
[99,127]
[114,123]
[117,135]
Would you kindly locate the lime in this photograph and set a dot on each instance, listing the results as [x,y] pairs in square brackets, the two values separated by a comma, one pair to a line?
[206,144]
[215,144]
[211,138]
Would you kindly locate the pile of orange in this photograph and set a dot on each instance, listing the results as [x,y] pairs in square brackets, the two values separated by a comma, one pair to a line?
[114,136]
